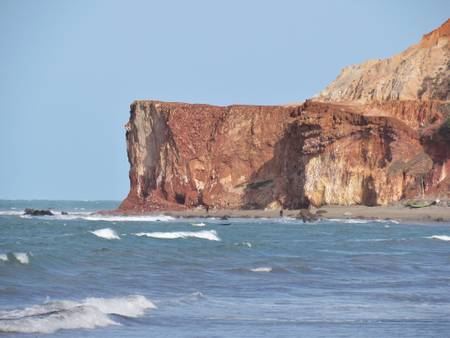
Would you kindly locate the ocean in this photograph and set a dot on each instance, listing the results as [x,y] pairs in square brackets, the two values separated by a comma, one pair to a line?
[80,275]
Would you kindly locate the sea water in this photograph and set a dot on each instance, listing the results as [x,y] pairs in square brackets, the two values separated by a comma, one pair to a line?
[83,275]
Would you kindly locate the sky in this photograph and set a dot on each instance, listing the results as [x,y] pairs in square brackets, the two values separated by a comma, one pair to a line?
[70,69]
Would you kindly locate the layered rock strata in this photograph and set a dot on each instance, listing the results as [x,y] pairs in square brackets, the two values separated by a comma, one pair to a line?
[379,133]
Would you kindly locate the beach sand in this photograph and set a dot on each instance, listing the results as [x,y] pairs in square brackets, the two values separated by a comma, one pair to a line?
[400,213]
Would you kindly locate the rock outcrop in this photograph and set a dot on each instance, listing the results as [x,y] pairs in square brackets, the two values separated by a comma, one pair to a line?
[37,212]
[379,133]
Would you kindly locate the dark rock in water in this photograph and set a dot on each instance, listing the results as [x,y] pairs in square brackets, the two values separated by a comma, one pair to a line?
[37,212]
[64,213]
[225,217]
[307,216]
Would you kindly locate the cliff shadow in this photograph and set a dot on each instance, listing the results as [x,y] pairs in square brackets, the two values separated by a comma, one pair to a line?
[437,147]
[282,178]
[370,195]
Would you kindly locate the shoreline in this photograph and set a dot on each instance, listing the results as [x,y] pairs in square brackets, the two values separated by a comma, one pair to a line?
[398,213]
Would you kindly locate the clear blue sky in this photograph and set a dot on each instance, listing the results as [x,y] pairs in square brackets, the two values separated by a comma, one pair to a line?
[70,69]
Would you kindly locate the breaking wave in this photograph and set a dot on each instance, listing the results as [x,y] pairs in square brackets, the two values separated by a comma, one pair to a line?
[206,234]
[90,216]
[155,218]
[440,237]
[87,314]
[21,257]
[106,233]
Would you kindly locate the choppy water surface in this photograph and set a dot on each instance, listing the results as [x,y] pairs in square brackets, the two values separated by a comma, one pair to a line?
[92,276]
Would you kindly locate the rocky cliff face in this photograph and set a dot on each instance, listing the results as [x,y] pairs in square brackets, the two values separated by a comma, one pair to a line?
[422,72]
[379,133]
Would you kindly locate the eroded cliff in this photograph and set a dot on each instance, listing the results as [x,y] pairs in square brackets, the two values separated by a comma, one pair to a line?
[422,72]
[378,134]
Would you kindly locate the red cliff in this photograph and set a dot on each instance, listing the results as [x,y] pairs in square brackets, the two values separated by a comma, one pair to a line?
[379,133]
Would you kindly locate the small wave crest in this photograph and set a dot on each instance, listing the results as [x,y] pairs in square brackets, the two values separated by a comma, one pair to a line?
[262,269]
[246,244]
[206,234]
[201,224]
[106,233]
[186,299]
[440,237]
[21,257]
[87,314]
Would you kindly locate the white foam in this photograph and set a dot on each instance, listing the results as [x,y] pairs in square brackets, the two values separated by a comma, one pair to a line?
[58,216]
[262,269]
[284,220]
[131,306]
[206,234]
[106,233]
[22,257]
[4,257]
[87,314]
[155,218]
[440,237]
[362,221]
[91,216]
[201,224]
[10,213]
[355,221]
[247,244]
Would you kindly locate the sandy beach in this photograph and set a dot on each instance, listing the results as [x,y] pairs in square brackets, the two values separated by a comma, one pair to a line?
[399,213]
